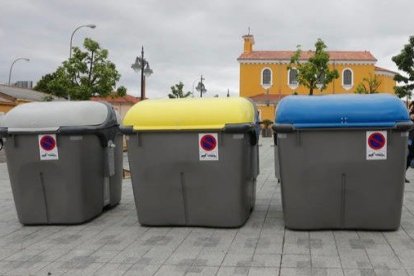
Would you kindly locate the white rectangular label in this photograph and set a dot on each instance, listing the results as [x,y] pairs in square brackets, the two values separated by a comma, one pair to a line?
[376,144]
[208,146]
[238,136]
[48,148]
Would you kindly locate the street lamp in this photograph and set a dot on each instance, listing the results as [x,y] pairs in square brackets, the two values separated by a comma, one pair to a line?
[267,88]
[142,65]
[11,67]
[92,26]
[200,87]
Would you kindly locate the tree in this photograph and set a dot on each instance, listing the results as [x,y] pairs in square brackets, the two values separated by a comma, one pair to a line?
[121,91]
[405,63]
[368,85]
[314,73]
[88,73]
[42,84]
[177,91]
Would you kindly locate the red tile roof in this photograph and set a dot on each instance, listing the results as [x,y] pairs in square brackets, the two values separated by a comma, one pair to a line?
[385,70]
[286,55]
[265,97]
[128,99]
[6,101]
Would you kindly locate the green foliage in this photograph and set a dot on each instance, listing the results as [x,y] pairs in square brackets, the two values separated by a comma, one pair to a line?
[47,98]
[88,73]
[405,63]
[315,71]
[368,85]
[266,123]
[42,84]
[121,91]
[177,91]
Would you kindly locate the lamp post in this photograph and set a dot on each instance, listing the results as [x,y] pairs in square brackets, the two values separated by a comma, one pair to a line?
[200,87]
[141,65]
[92,26]
[11,67]
[267,88]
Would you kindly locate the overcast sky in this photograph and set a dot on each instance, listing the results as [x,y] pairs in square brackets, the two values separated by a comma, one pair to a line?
[184,39]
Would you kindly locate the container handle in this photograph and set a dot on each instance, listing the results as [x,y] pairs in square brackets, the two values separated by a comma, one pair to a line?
[237,128]
[283,128]
[127,130]
[404,126]
[110,159]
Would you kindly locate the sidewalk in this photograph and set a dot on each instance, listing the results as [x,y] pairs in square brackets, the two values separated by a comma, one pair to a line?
[2,156]
[115,244]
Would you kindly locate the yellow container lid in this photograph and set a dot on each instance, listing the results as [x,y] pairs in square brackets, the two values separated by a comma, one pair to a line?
[189,113]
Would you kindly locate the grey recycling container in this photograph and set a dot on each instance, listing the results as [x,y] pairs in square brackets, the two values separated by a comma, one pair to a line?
[64,160]
[193,162]
[341,160]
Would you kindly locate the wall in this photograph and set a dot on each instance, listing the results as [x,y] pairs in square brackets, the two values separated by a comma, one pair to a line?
[387,83]
[250,80]
[5,107]
[266,112]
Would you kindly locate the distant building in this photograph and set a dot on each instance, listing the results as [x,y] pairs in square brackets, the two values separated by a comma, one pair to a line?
[120,104]
[11,96]
[265,78]
[24,84]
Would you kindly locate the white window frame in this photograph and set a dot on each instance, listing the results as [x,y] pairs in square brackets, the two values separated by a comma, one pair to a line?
[266,86]
[347,86]
[292,86]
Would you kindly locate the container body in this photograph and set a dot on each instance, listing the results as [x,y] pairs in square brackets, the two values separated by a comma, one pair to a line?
[341,160]
[63,169]
[173,187]
[327,182]
[115,178]
[70,190]
[193,162]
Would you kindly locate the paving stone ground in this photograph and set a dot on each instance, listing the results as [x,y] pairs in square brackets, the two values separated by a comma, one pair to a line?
[2,156]
[115,244]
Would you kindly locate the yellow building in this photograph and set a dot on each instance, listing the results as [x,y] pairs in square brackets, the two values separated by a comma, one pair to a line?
[11,96]
[265,78]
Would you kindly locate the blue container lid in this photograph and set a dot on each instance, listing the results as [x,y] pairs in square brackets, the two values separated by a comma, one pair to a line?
[341,111]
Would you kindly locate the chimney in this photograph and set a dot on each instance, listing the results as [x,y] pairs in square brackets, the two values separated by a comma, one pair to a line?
[248,43]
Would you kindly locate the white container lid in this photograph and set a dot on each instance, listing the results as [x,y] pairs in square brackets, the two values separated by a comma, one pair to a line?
[39,116]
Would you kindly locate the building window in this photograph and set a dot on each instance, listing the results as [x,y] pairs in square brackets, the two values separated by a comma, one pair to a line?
[320,81]
[266,78]
[293,78]
[347,78]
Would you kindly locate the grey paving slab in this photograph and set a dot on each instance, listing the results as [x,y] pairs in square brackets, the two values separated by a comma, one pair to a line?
[2,156]
[116,244]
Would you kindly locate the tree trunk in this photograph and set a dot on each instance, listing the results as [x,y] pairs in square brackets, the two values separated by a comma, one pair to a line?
[90,68]
[311,91]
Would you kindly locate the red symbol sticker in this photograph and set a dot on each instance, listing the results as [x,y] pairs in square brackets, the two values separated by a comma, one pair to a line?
[48,143]
[208,142]
[376,141]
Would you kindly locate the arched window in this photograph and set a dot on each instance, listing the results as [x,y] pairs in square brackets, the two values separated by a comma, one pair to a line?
[320,81]
[267,77]
[347,78]
[293,78]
